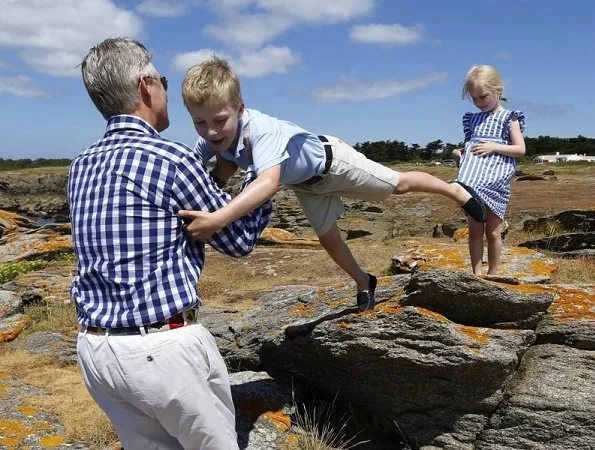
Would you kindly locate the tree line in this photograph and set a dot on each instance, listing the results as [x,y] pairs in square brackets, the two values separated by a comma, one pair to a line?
[391,150]
[384,151]
[15,164]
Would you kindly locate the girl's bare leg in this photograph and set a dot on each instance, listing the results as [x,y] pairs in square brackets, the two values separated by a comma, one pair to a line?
[494,237]
[476,231]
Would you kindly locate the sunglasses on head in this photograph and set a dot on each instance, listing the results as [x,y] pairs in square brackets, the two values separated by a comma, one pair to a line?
[163,81]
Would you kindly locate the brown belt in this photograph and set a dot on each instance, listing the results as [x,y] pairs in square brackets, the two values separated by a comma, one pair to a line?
[328,151]
[175,321]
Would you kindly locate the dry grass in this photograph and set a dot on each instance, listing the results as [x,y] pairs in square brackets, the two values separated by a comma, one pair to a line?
[573,271]
[54,316]
[67,396]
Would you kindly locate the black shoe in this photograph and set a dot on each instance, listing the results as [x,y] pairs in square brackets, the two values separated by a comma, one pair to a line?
[366,300]
[475,207]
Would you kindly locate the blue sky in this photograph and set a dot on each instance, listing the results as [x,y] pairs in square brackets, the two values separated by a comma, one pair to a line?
[357,69]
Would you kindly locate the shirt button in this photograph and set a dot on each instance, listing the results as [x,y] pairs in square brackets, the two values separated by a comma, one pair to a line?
[149,358]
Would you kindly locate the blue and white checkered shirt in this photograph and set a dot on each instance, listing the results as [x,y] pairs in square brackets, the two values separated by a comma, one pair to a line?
[135,264]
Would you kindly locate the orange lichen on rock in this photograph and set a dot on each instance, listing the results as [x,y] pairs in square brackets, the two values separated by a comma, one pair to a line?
[43,426]
[384,281]
[277,234]
[479,335]
[3,389]
[460,234]
[524,288]
[572,304]
[292,440]
[389,309]
[321,292]
[52,245]
[15,330]
[51,441]
[26,410]
[302,310]
[542,267]
[339,303]
[432,314]
[13,432]
[343,325]
[281,421]
[441,256]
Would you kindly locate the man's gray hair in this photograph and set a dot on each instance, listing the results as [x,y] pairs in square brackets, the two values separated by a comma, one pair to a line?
[111,73]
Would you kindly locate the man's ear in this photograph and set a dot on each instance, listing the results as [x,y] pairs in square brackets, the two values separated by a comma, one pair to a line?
[143,89]
[240,110]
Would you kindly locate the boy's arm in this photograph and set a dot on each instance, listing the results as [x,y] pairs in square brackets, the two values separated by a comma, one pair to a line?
[196,193]
[252,196]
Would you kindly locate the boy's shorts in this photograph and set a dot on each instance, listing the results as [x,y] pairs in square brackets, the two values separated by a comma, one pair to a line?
[351,175]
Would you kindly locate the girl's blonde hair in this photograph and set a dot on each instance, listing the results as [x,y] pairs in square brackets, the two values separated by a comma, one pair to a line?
[212,83]
[483,77]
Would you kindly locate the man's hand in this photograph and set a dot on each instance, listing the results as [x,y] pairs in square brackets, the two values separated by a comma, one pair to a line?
[203,224]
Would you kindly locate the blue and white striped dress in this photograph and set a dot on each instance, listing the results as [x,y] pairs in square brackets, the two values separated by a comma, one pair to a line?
[489,175]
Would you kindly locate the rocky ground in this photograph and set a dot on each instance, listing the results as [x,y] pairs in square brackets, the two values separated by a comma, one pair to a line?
[449,359]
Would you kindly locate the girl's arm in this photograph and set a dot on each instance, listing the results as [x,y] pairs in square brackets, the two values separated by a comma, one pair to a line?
[516,148]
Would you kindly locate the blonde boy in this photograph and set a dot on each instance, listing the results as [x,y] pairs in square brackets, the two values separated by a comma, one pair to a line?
[319,169]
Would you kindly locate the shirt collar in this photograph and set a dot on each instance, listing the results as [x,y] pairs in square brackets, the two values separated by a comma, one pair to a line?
[243,124]
[130,123]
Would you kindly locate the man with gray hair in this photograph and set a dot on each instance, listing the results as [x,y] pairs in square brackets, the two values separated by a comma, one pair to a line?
[160,379]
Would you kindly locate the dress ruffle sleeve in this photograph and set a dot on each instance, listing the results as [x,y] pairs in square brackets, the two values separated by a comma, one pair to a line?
[467,125]
[514,115]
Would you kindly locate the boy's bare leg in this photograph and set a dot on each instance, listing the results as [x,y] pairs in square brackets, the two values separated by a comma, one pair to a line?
[424,182]
[340,253]
[494,237]
[476,245]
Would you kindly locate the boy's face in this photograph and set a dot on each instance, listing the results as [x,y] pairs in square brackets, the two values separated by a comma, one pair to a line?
[217,125]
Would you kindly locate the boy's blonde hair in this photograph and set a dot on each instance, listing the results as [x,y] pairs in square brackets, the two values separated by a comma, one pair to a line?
[212,83]
[483,77]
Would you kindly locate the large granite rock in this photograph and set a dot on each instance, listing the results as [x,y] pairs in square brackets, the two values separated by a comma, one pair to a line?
[438,379]
[467,299]
[549,403]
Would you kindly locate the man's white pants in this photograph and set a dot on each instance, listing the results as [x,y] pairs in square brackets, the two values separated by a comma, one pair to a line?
[166,390]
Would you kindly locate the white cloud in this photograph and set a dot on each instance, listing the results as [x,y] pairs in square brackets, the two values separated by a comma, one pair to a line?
[183,61]
[4,64]
[503,54]
[351,89]
[161,8]
[267,60]
[52,35]
[316,11]
[22,86]
[249,24]
[254,64]
[249,31]
[393,34]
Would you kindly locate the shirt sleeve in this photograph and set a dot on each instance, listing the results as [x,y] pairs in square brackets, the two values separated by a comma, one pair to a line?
[195,190]
[268,150]
[203,150]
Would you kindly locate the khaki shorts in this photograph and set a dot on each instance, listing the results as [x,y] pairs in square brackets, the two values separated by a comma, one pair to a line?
[351,175]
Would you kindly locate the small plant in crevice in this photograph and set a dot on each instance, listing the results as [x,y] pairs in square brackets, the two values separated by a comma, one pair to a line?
[553,228]
[320,427]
